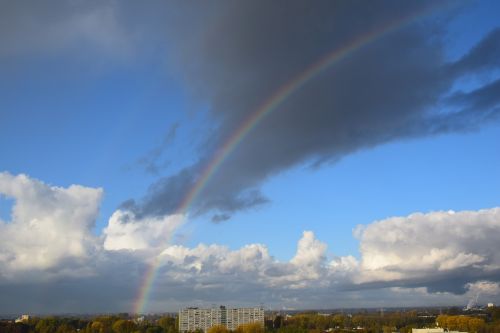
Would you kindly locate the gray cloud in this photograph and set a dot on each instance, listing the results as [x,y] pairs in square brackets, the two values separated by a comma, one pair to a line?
[236,56]
[483,56]
[59,27]
[152,161]
[218,218]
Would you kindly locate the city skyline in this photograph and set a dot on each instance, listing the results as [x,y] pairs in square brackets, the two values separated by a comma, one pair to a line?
[310,155]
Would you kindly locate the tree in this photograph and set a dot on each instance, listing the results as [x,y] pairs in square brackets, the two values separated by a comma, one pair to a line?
[168,324]
[124,326]
[475,324]
[97,327]
[218,329]
[292,329]
[442,321]
[278,322]
[494,313]
[107,322]
[46,325]
[65,328]
[388,329]
[154,329]
[463,323]
[338,320]
[452,323]
[250,328]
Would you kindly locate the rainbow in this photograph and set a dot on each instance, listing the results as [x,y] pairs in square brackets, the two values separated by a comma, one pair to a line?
[264,110]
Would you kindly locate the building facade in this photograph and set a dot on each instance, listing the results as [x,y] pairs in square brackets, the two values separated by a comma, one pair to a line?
[192,319]
[433,330]
[23,319]
[427,330]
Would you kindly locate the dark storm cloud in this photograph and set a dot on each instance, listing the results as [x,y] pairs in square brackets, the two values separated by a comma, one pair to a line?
[484,56]
[105,283]
[238,54]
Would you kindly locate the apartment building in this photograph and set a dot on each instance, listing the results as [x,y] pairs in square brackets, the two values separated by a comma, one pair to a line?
[192,319]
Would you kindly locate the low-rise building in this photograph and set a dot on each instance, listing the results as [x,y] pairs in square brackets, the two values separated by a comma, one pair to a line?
[433,330]
[24,318]
[427,330]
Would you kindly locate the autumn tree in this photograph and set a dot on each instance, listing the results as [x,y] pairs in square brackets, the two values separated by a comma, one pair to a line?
[124,326]
[46,325]
[218,329]
[168,324]
[250,328]
[154,329]
[96,327]
[475,325]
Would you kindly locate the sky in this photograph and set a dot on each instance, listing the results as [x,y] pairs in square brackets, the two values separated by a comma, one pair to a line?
[295,154]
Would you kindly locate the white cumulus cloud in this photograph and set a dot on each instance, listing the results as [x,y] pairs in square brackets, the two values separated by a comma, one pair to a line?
[423,245]
[48,223]
[127,232]
[487,288]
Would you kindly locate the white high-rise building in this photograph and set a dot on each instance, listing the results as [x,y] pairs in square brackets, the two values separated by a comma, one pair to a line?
[192,319]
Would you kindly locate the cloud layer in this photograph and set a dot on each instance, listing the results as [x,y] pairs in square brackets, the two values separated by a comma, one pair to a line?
[235,56]
[51,260]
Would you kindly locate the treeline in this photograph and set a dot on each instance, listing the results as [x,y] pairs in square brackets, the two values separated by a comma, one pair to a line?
[394,321]
[389,322]
[246,328]
[461,323]
[402,322]
[489,324]
[110,324]
[101,324]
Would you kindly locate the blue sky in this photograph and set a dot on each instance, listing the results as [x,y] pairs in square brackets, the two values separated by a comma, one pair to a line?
[95,110]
